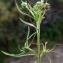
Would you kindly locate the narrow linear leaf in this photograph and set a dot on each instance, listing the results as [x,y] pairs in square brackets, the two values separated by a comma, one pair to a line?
[13,54]
[19,48]
[49,59]
[27,23]
[26,43]
[17,55]
[30,10]
[22,12]
[28,32]
[53,47]
[32,35]
[42,16]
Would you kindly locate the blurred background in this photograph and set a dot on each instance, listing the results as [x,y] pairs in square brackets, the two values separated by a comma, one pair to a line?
[13,32]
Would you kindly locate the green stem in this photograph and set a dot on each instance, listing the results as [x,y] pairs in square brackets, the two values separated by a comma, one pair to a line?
[38,40]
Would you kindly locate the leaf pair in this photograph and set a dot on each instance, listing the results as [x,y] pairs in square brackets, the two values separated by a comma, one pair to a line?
[44,51]
[25,49]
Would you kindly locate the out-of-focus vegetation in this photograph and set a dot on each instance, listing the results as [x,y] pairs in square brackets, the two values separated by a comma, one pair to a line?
[52,27]
[10,28]
[13,32]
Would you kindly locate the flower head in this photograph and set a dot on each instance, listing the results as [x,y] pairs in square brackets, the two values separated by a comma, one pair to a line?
[38,10]
[24,4]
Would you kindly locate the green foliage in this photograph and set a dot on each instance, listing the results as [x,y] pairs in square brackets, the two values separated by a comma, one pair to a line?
[37,13]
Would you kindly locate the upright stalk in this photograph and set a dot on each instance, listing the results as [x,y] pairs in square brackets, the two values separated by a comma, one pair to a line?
[38,40]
